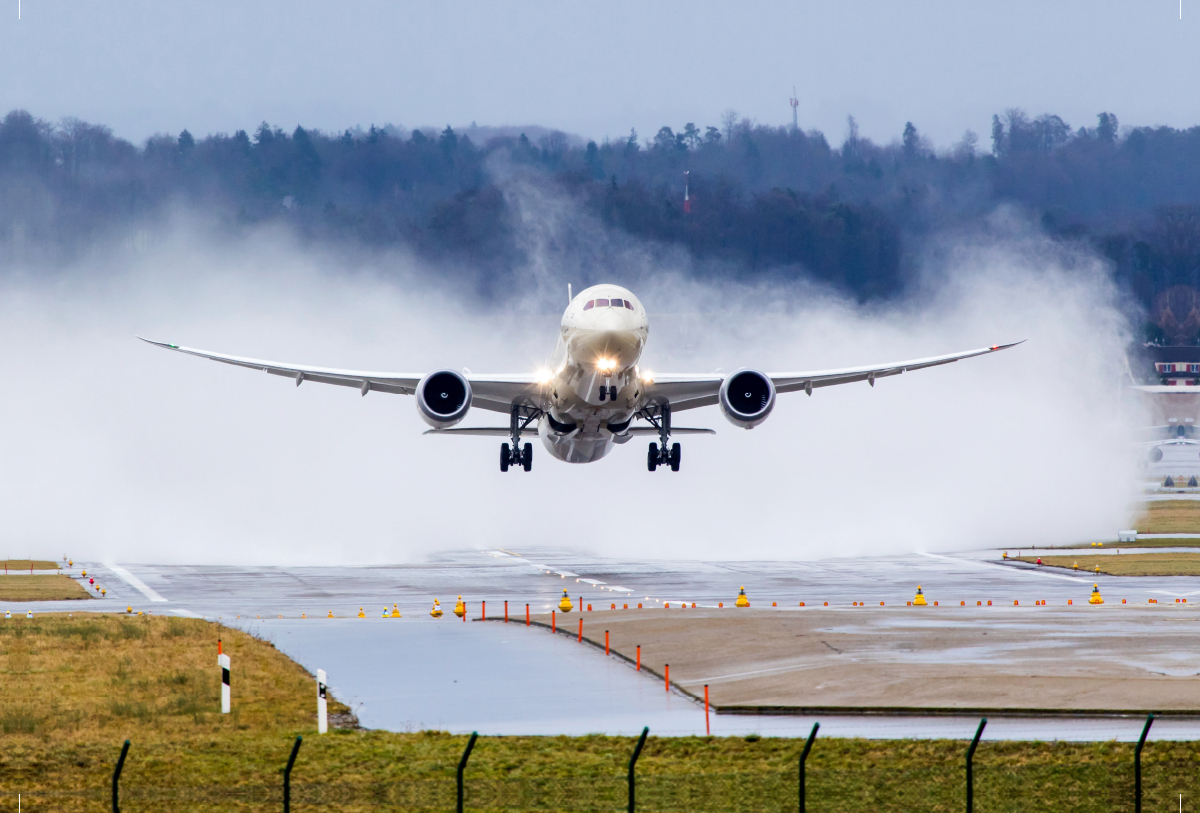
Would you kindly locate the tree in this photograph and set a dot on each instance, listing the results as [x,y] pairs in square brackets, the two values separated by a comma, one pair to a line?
[448,141]
[729,120]
[1106,129]
[998,140]
[911,141]
[712,135]
[690,136]
[664,139]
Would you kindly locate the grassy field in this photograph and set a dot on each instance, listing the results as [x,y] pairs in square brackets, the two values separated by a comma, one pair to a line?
[75,689]
[23,565]
[1169,517]
[1141,543]
[40,588]
[1134,564]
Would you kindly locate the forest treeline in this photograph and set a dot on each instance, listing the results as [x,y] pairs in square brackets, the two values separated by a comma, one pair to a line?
[764,201]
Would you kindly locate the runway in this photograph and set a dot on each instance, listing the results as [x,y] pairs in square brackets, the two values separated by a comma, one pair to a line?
[401,673]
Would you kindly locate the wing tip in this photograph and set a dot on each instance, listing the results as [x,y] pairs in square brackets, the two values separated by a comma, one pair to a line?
[996,347]
[167,345]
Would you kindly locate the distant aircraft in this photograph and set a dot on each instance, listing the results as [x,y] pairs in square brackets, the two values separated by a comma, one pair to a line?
[587,399]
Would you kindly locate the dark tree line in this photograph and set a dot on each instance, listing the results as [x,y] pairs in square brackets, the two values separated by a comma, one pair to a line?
[765,201]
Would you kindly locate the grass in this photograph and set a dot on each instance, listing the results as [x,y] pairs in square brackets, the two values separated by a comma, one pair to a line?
[76,688]
[1170,517]
[23,565]
[1134,564]
[1140,543]
[40,588]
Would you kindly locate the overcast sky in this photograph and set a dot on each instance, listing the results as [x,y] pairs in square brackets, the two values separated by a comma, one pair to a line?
[597,69]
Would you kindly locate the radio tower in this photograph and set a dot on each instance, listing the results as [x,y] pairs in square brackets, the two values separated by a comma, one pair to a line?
[795,104]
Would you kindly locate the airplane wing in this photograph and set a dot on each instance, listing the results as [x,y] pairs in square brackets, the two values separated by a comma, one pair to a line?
[504,431]
[690,392]
[496,393]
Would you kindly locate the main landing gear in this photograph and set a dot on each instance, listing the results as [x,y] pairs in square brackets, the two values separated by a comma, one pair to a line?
[519,418]
[659,455]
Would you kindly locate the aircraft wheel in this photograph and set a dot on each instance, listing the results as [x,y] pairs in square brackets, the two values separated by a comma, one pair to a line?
[504,456]
[675,453]
[652,457]
[527,457]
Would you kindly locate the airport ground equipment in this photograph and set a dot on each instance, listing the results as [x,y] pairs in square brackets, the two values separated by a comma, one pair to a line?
[803,754]
[1137,765]
[742,600]
[287,776]
[460,609]
[117,777]
[970,767]
[592,389]
[919,598]
[637,752]
[462,766]
[565,605]
[1095,598]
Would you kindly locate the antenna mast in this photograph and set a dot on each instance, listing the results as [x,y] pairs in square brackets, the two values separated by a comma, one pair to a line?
[795,103]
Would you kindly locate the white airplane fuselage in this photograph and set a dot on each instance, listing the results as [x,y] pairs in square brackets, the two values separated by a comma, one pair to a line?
[595,386]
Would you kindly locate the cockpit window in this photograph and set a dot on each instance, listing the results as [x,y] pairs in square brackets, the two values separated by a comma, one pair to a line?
[601,303]
[591,304]
[628,304]
[616,303]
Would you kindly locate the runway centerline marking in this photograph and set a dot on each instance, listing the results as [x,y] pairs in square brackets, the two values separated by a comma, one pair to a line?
[136,583]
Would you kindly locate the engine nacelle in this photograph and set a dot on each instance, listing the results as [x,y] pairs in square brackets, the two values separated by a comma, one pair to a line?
[747,398]
[443,398]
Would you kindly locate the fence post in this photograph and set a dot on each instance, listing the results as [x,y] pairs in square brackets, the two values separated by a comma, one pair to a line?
[1137,765]
[804,758]
[637,751]
[287,777]
[462,766]
[117,776]
[970,768]
[322,703]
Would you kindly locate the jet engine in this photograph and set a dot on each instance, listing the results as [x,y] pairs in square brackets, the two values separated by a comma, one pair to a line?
[747,398]
[443,398]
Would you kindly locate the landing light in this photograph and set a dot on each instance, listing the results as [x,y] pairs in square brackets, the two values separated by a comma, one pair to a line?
[606,364]
[544,376]
[648,377]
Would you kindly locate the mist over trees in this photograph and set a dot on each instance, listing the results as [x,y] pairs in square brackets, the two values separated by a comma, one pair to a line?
[765,202]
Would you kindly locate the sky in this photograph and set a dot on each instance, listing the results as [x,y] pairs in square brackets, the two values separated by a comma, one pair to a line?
[596,70]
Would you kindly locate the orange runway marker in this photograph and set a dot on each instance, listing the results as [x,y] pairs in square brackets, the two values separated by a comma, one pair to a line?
[707,730]
[483,613]
[606,642]
[581,630]
[639,658]
[667,675]
[553,622]
[506,611]
[527,615]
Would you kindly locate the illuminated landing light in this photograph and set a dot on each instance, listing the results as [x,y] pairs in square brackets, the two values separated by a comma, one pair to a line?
[647,377]
[606,365]
[544,376]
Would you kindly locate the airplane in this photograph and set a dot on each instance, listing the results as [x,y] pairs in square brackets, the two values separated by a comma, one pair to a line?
[587,399]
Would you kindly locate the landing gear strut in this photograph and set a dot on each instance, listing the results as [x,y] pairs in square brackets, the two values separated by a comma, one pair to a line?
[519,418]
[660,455]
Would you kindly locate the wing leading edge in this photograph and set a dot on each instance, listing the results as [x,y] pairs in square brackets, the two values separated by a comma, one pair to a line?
[496,393]
[690,392]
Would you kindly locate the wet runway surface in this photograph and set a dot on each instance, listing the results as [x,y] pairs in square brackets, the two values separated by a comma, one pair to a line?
[400,673]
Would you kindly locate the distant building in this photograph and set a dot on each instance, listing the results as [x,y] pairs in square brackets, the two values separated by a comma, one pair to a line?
[1176,366]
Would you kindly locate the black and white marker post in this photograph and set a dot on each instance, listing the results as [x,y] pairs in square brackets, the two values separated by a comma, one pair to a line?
[322,719]
[223,662]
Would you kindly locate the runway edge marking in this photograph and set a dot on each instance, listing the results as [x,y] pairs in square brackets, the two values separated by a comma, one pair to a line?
[994,564]
[134,582]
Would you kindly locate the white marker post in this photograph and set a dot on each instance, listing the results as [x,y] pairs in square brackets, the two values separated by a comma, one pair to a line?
[322,719]
[223,662]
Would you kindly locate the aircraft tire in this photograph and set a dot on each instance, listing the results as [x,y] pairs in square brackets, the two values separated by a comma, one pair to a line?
[675,455]
[527,457]
[504,456]
[652,457]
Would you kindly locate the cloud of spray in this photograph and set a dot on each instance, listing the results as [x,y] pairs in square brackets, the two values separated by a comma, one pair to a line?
[115,449]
